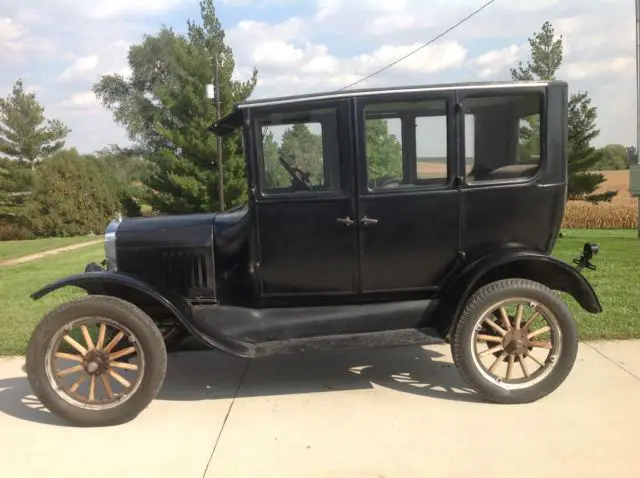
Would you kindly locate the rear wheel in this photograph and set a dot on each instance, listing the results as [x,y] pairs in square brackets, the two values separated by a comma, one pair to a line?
[96,361]
[515,342]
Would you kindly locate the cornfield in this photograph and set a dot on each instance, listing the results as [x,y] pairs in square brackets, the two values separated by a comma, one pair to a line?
[620,213]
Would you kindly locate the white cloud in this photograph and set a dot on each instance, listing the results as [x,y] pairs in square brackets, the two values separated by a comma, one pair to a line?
[80,101]
[121,8]
[494,62]
[80,67]
[598,68]
[276,53]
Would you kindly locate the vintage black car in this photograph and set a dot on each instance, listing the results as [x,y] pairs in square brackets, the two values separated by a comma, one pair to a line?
[376,217]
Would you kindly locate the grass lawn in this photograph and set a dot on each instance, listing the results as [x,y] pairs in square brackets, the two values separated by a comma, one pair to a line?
[15,249]
[617,283]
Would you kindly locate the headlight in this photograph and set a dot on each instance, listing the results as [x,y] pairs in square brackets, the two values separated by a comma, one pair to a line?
[110,244]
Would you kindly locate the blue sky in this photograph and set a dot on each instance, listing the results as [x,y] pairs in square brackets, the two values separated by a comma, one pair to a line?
[60,47]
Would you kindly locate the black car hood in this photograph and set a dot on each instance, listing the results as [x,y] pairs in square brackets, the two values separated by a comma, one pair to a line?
[188,230]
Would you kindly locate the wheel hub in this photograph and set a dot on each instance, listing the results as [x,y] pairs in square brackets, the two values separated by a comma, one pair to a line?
[515,342]
[96,362]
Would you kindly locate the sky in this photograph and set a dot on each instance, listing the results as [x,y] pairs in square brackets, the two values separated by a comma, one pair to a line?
[61,47]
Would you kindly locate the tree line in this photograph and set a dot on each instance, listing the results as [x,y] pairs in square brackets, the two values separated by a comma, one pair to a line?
[49,189]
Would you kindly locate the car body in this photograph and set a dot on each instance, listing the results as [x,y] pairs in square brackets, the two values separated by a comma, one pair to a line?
[375,217]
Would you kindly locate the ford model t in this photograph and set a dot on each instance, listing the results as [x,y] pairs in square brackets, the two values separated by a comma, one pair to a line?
[378,217]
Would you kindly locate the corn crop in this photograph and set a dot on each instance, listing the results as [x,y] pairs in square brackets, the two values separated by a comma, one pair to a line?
[613,215]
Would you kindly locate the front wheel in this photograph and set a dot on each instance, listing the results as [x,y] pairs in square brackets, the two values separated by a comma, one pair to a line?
[516,341]
[96,361]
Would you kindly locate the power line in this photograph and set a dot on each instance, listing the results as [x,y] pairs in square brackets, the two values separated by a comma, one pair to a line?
[421,46]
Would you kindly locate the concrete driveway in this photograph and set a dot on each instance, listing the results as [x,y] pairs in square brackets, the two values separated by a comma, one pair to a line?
[379,413]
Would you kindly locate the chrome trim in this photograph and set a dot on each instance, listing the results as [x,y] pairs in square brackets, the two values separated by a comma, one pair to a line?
[110,243]
[358,93]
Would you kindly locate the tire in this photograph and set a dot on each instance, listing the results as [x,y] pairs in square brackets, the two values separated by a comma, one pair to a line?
[119,313]
[463,342]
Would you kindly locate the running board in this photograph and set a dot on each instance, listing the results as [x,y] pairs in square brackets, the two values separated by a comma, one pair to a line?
[386,338]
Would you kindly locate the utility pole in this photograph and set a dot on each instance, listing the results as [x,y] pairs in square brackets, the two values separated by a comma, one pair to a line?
[216,86]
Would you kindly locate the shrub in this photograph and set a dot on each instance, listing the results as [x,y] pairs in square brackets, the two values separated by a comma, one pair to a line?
[70,197]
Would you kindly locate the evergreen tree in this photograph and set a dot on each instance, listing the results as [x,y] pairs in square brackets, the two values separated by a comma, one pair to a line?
[164,109]
[546,59]
[25,134]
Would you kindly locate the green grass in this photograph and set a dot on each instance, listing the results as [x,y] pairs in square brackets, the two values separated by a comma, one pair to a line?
[18,312]
[616,281]
[15,249]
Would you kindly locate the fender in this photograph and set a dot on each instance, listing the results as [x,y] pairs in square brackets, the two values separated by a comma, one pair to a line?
[523,263]
[126,287]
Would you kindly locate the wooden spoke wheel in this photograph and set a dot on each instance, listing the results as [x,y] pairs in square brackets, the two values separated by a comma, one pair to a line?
[96,361]
[80,363]
[515,342]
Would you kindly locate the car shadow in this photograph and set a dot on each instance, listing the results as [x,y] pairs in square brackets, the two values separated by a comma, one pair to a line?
[210,375]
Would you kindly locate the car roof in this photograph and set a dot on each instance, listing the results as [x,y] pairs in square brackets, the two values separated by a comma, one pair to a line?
[336,94]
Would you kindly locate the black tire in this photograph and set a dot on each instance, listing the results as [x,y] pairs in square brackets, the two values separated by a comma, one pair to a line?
[128,315]
[480,301]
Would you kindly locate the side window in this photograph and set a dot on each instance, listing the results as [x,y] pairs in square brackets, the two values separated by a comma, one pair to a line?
[406,144]
[502,137]
[300,152]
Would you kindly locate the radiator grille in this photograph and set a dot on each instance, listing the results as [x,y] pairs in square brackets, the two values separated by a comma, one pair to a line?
[184,270]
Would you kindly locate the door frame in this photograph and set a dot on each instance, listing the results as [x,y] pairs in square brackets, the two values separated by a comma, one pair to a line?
[258,198]
[454,179]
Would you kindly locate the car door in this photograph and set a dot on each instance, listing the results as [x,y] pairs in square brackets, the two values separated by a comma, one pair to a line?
[408,198]
[305,240]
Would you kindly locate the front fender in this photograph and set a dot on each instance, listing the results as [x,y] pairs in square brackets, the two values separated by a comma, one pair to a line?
[524,264]
[126,287]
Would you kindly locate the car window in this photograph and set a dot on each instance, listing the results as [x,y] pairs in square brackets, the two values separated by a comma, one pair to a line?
[300,152]
[406,144]
[502,137]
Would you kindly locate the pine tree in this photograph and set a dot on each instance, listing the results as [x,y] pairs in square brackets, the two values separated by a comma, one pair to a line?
[25,134]
[546,59]
[164,109]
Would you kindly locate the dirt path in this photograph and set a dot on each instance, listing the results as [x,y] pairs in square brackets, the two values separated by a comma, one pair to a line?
[50,252]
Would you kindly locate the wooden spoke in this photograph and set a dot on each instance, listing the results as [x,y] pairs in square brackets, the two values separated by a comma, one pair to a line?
[510,367]
[497,362]
[489,338]
[505,318]
[92,389]
[101,335]
[75,345]
[107,385]
[534,359]
[119,378]
[70,370]
[114,342]
[531,319]
[541,345]
[519,316]
[495,326]
[124,365]
[523,366]
[77,384]
[538,332]
[492,350]
[87,337]
[75,358]
[122,353]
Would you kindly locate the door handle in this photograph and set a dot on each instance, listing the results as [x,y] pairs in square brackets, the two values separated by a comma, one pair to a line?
[365,221]
[345,220]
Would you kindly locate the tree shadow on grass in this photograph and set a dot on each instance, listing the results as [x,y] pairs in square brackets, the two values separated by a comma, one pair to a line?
[211,375]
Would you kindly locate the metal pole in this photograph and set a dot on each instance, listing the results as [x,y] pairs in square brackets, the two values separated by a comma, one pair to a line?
[216,86]
[637,100]
[637,80]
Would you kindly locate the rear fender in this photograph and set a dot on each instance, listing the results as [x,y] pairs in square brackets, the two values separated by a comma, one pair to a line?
[126,287]
[531,265]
